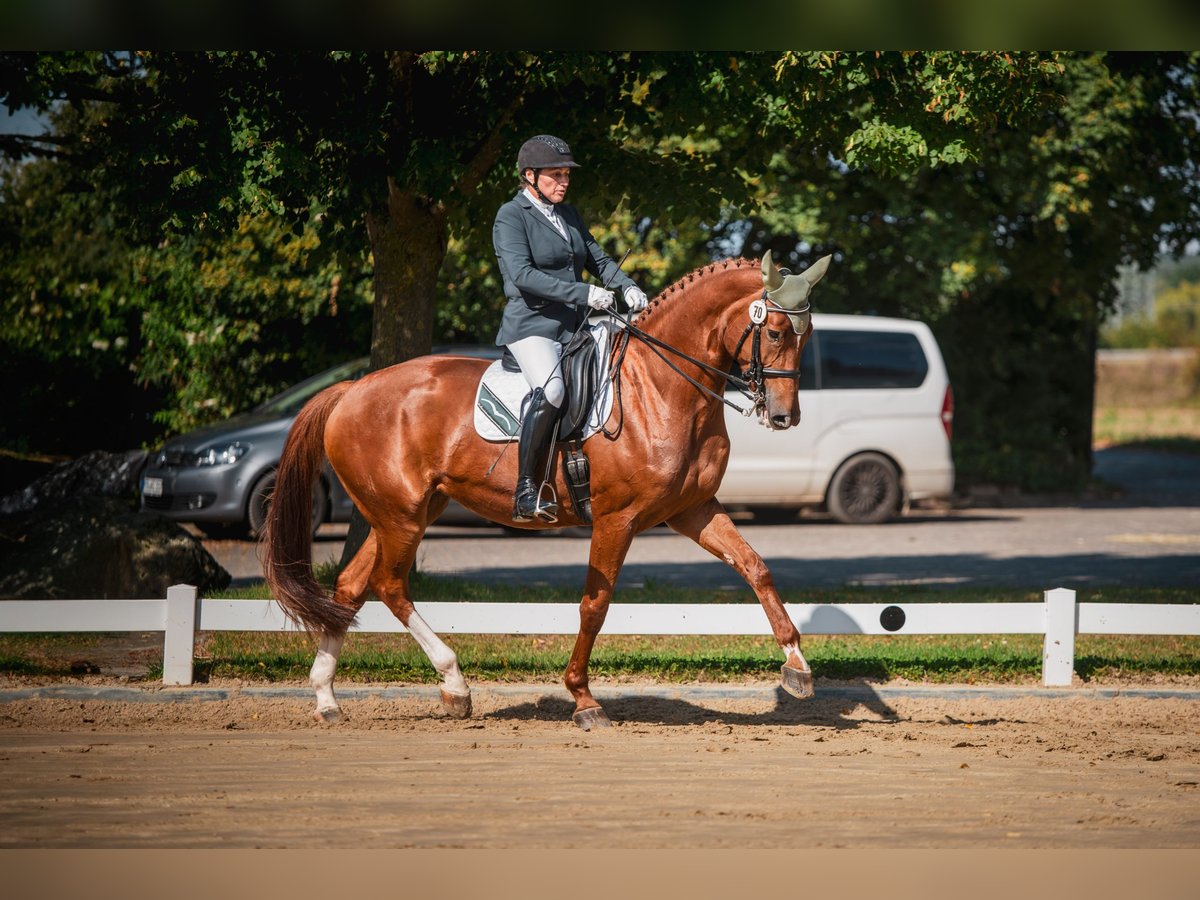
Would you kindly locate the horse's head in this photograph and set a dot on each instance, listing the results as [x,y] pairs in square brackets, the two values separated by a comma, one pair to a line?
[780,324]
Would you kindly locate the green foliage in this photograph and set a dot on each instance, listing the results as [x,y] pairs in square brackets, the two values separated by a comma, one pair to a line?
[70,313]
[1171,273]
[1174,322]
[991,193]
[470,296]
[119,343]
[232,320]
[1011,254]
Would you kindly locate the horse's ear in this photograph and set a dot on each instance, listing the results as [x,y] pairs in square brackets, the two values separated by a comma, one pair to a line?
[817,270]
[771,276]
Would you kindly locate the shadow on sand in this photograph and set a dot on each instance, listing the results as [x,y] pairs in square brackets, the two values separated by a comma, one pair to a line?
[846,707]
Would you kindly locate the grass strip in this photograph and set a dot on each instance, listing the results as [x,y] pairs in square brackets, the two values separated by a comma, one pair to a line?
[272,657]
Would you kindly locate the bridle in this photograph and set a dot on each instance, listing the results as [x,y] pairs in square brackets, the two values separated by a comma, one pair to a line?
[750,381]
[755,374]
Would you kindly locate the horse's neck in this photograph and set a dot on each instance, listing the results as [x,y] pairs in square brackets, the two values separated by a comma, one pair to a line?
[691,318]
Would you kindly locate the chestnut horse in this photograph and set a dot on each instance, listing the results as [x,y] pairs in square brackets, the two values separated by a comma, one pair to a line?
[403,442]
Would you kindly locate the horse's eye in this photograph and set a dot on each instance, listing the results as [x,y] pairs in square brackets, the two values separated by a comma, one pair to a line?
[773,334]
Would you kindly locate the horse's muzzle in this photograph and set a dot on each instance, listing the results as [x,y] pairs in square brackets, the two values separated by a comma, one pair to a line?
[780,421]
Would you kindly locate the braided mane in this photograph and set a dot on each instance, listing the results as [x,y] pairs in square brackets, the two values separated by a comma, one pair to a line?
[687,280]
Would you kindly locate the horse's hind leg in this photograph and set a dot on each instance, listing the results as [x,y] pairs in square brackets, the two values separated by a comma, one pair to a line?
[710,527]
[397,550]
[351,591]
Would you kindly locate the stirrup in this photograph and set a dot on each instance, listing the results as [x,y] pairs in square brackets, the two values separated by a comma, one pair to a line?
[528,506]
[547,510]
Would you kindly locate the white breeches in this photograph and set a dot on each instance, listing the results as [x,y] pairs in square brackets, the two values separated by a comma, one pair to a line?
[539,359]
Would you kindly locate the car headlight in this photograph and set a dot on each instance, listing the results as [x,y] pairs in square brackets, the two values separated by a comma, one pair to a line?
[221,456]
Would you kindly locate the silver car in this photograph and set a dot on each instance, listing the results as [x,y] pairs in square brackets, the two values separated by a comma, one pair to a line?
[221,477]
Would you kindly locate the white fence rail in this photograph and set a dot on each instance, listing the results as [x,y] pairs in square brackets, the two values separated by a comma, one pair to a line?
[1059,618]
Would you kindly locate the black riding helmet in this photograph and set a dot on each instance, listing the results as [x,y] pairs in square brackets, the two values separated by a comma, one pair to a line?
[543,151]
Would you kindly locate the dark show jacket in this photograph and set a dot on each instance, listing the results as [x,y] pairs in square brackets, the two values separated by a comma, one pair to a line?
[542,270]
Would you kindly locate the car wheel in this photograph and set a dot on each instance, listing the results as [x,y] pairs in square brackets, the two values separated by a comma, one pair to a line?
[320,507]
[260,503]
[865,490]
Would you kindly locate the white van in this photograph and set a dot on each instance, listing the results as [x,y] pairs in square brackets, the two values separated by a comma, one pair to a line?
[875,427]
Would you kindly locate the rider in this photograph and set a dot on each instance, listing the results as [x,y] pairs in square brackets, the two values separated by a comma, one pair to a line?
[543,247]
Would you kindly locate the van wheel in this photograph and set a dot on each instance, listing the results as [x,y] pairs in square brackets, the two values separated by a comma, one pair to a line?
[260,502]
[865,490]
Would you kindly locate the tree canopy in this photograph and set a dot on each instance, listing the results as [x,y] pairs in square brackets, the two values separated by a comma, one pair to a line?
[993,193]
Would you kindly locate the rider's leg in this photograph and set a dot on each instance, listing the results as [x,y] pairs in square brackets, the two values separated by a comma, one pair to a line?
[538,358]
[536,430]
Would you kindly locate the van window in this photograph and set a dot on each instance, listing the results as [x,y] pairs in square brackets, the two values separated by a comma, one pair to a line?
[808,364]
[871,359]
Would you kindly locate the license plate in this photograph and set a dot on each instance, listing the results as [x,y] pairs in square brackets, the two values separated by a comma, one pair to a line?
[152,487]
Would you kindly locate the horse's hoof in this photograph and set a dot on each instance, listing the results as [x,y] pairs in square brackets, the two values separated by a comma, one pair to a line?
[457,706]
[331,716]
[592,717]
[797,682]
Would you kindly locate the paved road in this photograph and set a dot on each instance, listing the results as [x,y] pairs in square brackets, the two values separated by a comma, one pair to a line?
[1149,535]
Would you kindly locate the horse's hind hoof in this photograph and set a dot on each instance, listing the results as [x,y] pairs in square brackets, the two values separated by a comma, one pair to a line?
[797,682]
[592,717]
[457,706]
[331,716]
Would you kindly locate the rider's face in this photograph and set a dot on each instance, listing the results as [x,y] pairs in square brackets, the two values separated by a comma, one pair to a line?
[553,183]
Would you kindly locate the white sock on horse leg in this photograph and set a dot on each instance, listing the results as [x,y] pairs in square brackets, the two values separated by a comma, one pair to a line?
[323,667]
[442,657]
[790,650]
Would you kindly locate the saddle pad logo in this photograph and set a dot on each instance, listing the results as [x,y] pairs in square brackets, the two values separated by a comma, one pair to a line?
[497,412]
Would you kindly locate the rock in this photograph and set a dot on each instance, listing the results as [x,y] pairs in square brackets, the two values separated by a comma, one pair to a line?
[95,474]
[99,547]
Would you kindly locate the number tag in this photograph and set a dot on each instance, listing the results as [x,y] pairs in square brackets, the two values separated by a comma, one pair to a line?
[758,312]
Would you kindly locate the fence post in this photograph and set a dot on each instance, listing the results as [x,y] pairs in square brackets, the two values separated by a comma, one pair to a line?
[1058,651]
[179,642]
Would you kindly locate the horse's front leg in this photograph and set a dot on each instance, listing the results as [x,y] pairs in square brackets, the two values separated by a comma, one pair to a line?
[610,543]
[710,526]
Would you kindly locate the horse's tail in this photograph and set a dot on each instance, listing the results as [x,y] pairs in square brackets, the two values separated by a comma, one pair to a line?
[286,546]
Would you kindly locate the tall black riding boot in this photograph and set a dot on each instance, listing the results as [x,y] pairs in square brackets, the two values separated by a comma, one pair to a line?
[536,430]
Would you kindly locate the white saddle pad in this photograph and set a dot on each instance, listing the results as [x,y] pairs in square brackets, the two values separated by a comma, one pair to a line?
[499,395]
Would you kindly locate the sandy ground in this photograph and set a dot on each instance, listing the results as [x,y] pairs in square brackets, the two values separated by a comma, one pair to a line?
[686,767]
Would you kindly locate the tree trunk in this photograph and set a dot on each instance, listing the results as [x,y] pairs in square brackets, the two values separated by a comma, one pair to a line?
[1090,342]
[408,243]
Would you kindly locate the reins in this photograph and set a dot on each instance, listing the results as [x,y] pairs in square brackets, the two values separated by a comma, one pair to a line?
[749,381]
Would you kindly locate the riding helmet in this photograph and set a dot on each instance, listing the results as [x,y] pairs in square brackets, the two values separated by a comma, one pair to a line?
[544,151]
